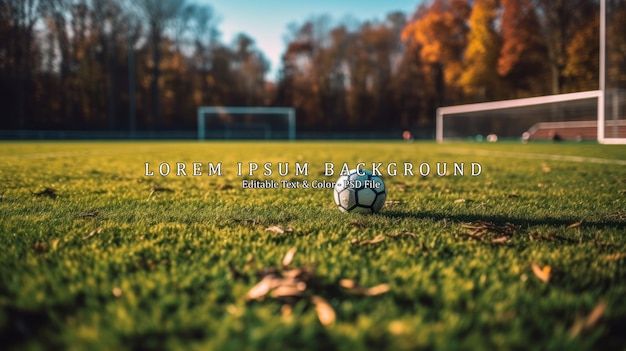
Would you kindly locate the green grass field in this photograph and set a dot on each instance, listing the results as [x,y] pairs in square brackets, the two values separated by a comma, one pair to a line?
[107,258]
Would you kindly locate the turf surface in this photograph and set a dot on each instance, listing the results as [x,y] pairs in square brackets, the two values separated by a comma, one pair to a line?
[95,255]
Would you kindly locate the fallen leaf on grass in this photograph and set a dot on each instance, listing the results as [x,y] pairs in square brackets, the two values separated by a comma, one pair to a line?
[545,168]
[278,230]
[92,233]
[348,283]
[41,247]
[542,273]
[377,290]
[289,256]
[261,288]
[615,257]
[500,240]
[376,240]
[325,312]
[398,235]
[156,188]
[117,292]
[289,290]
[353,287]
[89,214]
[392,203]
[575,225]
[590,321]
[460,201]
[478,229]
[47,191]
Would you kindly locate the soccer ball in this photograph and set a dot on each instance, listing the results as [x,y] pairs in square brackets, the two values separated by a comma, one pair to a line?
[360,191]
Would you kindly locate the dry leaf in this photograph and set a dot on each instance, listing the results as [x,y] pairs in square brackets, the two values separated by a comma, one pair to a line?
[377,290]
[595,314]
[55,243]
[545,168]
[575,225]
[288,288]
[392,203]
[47,191]
[92,233]
[289,256]
[261,288]
[376,240]
[615,257]
[348,283]
[117,292]
[41,247]
[398,235]
[478,229]
[500,240]
[156,188]
[275,229]
[542,273]
[590,321]
[460,201]
[325,312]
[89,214]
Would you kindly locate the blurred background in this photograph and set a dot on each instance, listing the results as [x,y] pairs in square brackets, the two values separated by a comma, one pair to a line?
[143,67]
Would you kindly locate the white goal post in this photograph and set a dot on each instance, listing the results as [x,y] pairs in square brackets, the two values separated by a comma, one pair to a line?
[203,111]
[604,106]
[462,110]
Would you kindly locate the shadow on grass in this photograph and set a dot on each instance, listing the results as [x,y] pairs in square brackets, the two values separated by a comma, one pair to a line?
[501,219]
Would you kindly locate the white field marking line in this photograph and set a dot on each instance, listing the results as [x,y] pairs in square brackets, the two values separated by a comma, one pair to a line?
[533,156]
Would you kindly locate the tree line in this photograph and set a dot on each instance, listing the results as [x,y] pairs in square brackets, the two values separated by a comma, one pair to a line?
[148,64]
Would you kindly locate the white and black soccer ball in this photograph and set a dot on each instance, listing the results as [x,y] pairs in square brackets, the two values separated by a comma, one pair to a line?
[360,191]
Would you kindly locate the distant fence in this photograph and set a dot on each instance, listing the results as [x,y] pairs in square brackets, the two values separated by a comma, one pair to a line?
[193,134]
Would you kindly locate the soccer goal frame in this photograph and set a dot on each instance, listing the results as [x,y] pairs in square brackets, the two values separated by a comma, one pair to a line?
[600,95]
[203,111]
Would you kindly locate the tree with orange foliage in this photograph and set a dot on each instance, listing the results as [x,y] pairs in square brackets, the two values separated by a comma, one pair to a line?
[581,69]
[523,53]
[479,77]
[441,34]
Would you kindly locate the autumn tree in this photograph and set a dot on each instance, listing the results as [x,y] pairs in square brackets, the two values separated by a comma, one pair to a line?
[582,63]
[480,77]
[559,21]
[18,55]
[616,45]
[441,34]
[159,15]
[523,54]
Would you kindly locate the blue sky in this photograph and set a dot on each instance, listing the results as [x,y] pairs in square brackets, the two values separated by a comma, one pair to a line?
[266,20]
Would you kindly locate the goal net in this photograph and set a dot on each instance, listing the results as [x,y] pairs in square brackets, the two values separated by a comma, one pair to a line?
[240,123]
[590,115]
[565,116]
